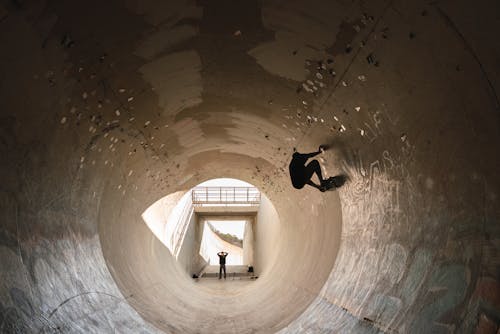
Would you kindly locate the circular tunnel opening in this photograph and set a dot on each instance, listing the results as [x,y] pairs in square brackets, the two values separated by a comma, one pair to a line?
[221,228]
[294,236]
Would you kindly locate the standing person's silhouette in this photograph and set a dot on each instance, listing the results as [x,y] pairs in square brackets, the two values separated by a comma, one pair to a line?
[301,174]
[222,262]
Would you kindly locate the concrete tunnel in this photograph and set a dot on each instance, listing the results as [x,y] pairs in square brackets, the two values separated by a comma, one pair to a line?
[108,106]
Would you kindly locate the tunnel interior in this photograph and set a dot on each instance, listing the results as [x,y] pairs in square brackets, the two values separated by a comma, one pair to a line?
[108,107]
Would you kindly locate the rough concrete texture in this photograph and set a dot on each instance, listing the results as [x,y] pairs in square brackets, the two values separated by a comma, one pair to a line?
[108,106]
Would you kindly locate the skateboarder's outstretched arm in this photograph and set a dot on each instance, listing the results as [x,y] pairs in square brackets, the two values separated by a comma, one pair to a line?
[312,154]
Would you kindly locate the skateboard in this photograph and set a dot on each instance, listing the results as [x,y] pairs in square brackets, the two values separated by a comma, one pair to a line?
[334,182]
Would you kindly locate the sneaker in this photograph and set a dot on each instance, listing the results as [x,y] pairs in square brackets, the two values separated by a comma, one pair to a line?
[325,184]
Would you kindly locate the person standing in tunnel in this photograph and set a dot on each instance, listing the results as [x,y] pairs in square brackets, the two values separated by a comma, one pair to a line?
[301,174]
[222,262]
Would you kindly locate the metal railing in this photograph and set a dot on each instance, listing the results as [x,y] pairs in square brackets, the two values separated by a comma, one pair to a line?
[225,196]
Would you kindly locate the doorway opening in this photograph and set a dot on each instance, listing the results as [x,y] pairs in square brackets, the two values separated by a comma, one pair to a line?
[223,236]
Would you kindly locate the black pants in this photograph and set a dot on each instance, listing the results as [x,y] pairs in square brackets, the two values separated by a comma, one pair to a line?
[302,175]
[222,267]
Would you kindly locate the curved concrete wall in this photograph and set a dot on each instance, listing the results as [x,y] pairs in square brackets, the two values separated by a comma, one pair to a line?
[267,229]
[108,106]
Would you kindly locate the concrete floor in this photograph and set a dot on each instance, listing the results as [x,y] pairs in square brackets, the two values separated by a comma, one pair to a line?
[230,287]
[108,106]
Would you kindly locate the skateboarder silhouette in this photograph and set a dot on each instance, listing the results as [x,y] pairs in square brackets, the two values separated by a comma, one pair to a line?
[301,174]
